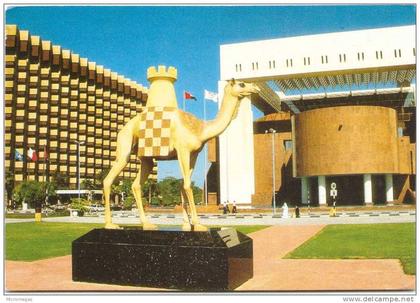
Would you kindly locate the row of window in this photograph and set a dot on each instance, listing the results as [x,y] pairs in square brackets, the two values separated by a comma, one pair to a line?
[324,59]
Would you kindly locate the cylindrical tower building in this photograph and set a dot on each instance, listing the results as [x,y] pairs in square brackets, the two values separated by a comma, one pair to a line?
[356,147]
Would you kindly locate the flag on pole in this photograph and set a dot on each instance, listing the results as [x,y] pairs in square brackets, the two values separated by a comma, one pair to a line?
[210,96]
[45,153]
[32,154]
[18,156]
[188,95]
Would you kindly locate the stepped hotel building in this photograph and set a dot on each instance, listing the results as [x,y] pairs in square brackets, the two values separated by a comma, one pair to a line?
[337,108]
[56,100]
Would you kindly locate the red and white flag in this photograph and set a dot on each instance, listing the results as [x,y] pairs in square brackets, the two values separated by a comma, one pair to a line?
[188,95]
[208,95]
[32,154]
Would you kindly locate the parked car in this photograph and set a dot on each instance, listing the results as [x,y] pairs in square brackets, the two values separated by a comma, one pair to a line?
[59,207]
[96,208]
[47,211]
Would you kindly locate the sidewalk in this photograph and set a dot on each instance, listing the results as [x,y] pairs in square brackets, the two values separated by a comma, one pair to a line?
[54,275]
[313,218]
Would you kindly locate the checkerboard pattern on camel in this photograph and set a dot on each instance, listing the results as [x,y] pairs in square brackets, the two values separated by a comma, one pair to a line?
[155,127]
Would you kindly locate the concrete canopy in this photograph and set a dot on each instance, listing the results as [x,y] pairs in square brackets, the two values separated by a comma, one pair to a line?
[374,58]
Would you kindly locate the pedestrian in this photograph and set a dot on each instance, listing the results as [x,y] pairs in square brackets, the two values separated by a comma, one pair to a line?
[224,208]
[227,206]
[285,208]
[234,210]
[297,211]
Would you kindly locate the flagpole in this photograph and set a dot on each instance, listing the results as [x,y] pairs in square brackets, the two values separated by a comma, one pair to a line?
[183,99]
[45,171]
[205,157]
[45,177]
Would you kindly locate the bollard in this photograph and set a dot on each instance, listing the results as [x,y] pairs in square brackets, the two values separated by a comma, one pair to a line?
[38,214]
[333,212]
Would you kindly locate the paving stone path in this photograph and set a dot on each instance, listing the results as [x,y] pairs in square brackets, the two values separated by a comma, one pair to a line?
[53,275]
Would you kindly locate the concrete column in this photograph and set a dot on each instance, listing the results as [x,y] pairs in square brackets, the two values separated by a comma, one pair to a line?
[236,150]
[389,185]
[304,190]
[367,182]
[322,190]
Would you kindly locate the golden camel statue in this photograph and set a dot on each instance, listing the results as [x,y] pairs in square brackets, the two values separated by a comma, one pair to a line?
[163,132]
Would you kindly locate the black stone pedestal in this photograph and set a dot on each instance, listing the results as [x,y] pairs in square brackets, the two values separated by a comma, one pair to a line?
[217,260]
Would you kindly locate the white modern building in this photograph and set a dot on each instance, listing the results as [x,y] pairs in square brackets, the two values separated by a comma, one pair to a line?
[304,73]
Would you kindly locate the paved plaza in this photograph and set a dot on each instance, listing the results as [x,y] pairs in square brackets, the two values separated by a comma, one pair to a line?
[270,246]
[271,272]
[313,218]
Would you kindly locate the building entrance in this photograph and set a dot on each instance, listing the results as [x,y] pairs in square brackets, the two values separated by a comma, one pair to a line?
[349,190]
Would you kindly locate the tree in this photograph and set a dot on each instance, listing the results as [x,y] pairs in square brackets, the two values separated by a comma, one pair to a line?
[99,178]
[87,184]
[81,205]
[9,184]
[33,192]
[166,192]
[170,191]
[128,202]
[124,188]
[197,193]
[150,190]
[61,180]
[50,189]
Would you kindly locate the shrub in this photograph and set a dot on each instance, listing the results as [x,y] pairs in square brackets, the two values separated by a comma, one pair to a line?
[81,205]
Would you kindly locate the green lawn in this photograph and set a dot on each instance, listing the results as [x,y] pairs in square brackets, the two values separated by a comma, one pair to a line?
[33,241]
[364,241]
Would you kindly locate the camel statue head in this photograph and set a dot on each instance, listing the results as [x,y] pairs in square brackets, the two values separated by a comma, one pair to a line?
[240,89]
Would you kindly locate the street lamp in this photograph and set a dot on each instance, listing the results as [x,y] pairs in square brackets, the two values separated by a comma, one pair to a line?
[273,132]
[78,165]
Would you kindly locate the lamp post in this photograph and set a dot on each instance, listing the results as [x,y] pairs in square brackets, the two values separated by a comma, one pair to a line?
[205,158]
[78,165]
[273,159]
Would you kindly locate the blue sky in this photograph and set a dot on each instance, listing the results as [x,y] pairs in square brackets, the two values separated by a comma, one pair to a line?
[129,39]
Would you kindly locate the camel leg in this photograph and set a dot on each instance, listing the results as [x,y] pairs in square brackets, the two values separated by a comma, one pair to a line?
[122,155]
[146,167]
[186,226]
[187,162]
[113,173]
